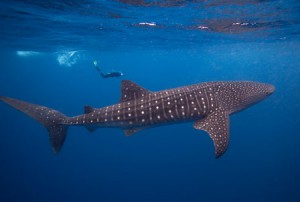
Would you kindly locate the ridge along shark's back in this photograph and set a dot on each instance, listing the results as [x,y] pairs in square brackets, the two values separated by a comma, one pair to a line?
[208,104]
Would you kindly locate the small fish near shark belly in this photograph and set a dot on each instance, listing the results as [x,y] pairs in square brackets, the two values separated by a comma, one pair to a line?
[208,104]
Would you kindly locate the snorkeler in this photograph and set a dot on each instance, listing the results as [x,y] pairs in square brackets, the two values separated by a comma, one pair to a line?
[111,74]
[107,75]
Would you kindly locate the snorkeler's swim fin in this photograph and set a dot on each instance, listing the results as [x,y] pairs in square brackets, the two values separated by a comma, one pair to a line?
[96,66]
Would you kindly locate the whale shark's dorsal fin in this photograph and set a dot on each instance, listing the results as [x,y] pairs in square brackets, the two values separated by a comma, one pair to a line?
[216,125]
[88,109]
[131,90]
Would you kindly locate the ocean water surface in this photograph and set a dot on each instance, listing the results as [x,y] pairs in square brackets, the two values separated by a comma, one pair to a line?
[47,53]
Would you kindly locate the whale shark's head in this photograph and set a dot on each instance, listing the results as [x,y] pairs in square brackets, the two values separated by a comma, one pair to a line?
[253,92]
[240,95]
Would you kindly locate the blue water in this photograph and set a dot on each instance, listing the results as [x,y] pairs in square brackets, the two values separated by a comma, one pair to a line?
[47,52]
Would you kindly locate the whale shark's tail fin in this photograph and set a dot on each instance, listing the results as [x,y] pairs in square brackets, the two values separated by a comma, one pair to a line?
[53,120]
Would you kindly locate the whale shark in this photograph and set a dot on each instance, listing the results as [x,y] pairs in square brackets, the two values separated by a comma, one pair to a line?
[208,105]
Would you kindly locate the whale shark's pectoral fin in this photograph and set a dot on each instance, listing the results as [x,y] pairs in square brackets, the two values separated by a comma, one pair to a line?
[216,125]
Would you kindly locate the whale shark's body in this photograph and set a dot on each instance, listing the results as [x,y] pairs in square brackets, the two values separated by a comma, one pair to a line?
[207,104]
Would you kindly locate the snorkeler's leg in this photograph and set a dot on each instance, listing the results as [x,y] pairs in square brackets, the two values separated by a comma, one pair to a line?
[104,75]
[96,66]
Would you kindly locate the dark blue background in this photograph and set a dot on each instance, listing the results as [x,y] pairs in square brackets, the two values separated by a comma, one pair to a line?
[170,163]
[188,42]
